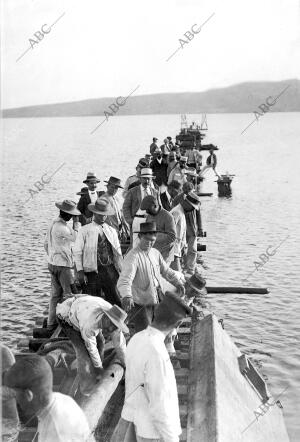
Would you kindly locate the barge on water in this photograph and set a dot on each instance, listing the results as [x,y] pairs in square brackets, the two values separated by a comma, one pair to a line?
[192,135]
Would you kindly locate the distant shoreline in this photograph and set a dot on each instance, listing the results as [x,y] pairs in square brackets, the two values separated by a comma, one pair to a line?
[239,98]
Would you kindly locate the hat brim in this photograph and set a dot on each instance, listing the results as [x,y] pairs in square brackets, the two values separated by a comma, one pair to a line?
[91,179]
[202,291]
[74,212]
[108,212]
[81,193]
[147,176]
[121,325]
[116,185]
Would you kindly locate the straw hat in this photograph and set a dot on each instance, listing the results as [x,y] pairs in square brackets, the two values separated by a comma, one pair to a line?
[101,207]
[191,171]
[68,206]
[118,316]
[146,172]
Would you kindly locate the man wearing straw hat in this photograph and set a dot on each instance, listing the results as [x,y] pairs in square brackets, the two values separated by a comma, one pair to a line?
[88,321]
[141,281]
[151,409]
[88,197]
[58,245]
[97,254]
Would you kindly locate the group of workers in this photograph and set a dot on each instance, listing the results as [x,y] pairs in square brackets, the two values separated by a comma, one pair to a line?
[97,294]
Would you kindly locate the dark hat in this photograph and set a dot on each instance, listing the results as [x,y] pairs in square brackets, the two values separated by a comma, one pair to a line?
[147,228]
[29,371]
[115,181]
[90,177]
[175,305]
[118,316]
[197,283]
[155,139]
[148,201]
[68,206]
[193,199]
[169,138]
[143,162]
[83,191]
[101,207]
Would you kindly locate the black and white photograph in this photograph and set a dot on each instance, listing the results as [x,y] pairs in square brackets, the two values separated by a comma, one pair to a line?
[150,222]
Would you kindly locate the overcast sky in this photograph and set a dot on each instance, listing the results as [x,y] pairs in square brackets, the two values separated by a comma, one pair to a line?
[107,48]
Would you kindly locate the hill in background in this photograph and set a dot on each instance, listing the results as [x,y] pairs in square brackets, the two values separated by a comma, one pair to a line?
[243,97]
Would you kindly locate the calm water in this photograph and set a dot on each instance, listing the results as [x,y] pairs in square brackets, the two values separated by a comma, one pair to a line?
[263,211]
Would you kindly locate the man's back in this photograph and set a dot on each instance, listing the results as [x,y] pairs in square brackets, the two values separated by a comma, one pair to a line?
[63,421]
[151,400]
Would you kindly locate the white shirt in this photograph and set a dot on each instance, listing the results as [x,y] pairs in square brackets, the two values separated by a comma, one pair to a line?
[62,421]
[85,313]
[93,195]
[180,224]
[153,408]
[58,242]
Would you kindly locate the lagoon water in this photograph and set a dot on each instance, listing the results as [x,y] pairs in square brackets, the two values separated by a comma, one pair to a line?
[263,213]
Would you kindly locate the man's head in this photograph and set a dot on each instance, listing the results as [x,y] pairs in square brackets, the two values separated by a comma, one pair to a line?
[147,236]
[211,151]
[151,205]
[183,162]
[112,320]
[195,286]
[113,185]
[91,181]
[166,141]
[67,209]
[191,202]
[170,312]
[155,139]
[31,378]
[187,187]
[158,153]
[101,210]
[143,162]
[174,188]
[146,176]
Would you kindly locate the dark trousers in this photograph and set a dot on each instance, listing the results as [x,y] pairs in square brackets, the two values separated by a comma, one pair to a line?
[140,316]
[106,279]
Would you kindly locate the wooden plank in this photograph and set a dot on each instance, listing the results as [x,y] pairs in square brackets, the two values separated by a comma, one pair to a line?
[247,290]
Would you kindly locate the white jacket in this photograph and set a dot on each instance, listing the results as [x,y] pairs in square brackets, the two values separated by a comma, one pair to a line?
[85,248]
[180,224]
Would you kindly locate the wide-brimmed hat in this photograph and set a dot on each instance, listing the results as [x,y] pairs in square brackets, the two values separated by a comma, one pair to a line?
[90,177]
[115,181]
[101,207]
[158,150]
[191,171]
[83,191]
[146,172]
[173,307]
[148,201]
[193,199]
[68,206]
[183,158]
[143,162]
[147,228]
[118,316]
[197,283]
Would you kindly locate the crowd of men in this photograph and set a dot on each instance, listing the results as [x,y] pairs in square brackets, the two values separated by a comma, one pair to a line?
[96,293]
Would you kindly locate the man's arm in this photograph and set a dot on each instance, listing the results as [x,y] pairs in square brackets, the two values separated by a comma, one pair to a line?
[89,337]
[174,277]
[127,275]
[127,207]
[199,221]
[164,419]
[78,251]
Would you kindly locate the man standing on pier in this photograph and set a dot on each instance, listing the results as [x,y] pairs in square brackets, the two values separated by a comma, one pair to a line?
[166,232]
[88,197]
[97,254]
[178,173]
[140,282]
[151,409]
[211,163]
[58,245]
[117,220]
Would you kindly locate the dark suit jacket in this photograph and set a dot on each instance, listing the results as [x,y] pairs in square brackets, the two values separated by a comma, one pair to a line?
[165,202]
[160,171]
[82,206]
[133,201]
